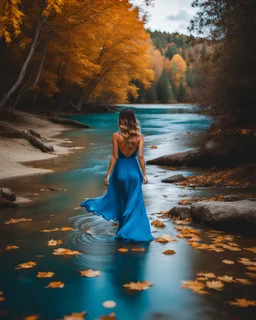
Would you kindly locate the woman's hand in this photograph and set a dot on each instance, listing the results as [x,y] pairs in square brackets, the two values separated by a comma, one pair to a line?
[106,181]
[145,179]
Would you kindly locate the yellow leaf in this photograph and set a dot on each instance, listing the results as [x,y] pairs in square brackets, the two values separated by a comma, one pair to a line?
[26,265]
[195,286]
[158,224]
[76,316]
[32,317]
[217,285]
[55,284]
[207,275]
[225,278]
[243,281]
[228,261]
[11,247]
[169,252]
[252,249]
[53,243]
[138,285]
[139,249]
[45,274]
[243,303]
[123,250]
[90,273]
[63,251]
[17,220]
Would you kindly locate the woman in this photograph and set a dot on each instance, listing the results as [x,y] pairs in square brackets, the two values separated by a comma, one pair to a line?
[123,201]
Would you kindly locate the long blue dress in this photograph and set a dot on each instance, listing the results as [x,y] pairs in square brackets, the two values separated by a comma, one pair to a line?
[123,201]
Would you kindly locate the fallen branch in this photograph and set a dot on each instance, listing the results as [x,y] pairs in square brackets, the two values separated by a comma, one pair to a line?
[30,135]
[69,122]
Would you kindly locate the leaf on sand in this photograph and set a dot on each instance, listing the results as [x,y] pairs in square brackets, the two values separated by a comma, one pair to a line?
[158,224]
[228,261]
[153,147]
[17,220]
[195,286]
[207,275]
[217,285]
[63,251]
[55,284]
[109,304]
[123,250]
[165,238]
[111,316]
[90,273]
[11,247]
[225,278]
[48,274]
[242,281]
[139,249]
[252,249]
[169,252]
[26,265]
[247,262]
[243,303]
[75,316]
[53,243]
[138,285]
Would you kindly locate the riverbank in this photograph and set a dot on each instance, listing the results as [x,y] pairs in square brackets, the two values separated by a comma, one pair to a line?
[16,153]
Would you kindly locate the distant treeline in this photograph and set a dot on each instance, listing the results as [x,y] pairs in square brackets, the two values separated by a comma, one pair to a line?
[177,66]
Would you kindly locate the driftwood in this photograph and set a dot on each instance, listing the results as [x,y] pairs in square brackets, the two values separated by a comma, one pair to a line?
[30,135]
[69,122]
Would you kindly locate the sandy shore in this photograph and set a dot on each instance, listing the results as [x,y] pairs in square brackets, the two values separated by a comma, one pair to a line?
[15,152]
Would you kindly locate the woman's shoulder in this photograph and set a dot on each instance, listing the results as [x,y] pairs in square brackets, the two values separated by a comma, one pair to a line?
[115,135]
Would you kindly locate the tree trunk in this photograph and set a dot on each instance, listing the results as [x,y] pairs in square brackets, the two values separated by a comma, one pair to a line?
[21,76]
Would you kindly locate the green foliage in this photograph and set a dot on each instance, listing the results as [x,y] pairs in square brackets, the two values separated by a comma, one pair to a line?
[163,88]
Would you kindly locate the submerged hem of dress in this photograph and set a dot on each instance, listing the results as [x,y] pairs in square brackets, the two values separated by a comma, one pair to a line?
[83,205]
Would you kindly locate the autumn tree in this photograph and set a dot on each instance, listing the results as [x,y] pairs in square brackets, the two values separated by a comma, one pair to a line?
[178,70]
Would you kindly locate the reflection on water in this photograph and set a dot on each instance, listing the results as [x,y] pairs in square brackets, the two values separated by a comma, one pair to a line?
[172,129]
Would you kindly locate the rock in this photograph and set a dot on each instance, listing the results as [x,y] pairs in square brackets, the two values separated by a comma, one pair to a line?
[175,178]
[6,203]
[7,194]
[181,211]
[238,196]
[23,200]
[217,212]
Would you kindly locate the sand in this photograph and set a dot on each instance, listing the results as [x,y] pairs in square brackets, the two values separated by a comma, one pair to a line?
[15,152]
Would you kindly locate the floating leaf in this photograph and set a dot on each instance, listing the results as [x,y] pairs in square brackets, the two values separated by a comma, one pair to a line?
[158,224]
[76,316]
[251,268]
[251,275]
[225,278]
[32,317]
[111,316]
[228,261]
[207,275]
[138,285]
[64,229]
[90,273]
[53,243]
[26,265]
[139,249]
[11,247]
[63,251]
[217,285]
[17,220]
[123,250]
[169,252]
[243,303]
[165,238]
[55,284]
[252,249]
[247,262]
[195,286]
[153,147]
[242,281]
[109,304]
[48,274]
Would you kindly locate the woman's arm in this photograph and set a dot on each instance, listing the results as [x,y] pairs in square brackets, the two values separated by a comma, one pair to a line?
[142,160]
[113,158]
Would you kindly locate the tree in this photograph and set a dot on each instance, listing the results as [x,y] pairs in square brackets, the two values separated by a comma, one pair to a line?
[163,88]
[181,95]
[171,51]
[178,70]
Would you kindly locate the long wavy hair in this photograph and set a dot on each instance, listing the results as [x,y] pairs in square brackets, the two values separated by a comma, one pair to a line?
[129,126]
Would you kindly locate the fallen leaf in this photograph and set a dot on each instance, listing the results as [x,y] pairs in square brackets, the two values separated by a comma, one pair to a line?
[153,147]
[207,275]
[252,249]
[138,285]
[63,251]
[109,304]
[65,229]
[242,281]
[123,250]
[158,224]
[251,268]
[48,274]
[11,247]
[75,316]
[55,284]
[111,316]
[165,238]
[251,275]
[217,285]
[247,262]
[139,249]
[169,252]
[32,317]
[26,265]
[195,286]
[53,243]
[90,273]
[225,278]
[17,220]
[228,261]
[243,303]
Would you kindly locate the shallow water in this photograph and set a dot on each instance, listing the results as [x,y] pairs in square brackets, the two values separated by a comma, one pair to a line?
[81,174]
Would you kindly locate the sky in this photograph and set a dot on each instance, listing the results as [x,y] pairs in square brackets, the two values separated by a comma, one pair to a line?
[170,15]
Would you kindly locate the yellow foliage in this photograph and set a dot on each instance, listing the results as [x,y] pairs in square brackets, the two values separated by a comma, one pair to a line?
[178,68]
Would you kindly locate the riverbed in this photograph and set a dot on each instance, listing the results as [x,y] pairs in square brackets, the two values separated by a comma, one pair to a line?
[80,175]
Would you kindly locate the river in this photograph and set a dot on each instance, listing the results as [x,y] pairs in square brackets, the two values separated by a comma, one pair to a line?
[172,129]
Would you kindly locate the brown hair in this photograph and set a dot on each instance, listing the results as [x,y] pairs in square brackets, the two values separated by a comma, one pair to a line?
[129,126]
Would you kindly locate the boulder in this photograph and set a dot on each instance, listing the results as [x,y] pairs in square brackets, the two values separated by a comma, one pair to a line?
[181,211]
[7,194]
[217,212]
[175,178]
[6,203]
